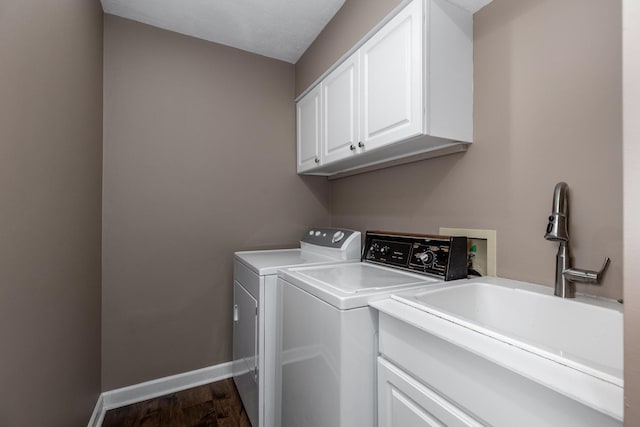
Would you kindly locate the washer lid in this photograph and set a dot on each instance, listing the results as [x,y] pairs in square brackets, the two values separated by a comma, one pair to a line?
[360,277]
[351,285]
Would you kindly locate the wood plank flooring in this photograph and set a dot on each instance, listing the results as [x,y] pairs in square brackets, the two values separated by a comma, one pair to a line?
[211,405]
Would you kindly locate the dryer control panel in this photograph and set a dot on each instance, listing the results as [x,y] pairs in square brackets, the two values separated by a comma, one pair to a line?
[442,256]
[338,243]
[329,237]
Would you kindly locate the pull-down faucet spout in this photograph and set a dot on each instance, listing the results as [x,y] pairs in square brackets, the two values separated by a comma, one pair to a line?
[558,231]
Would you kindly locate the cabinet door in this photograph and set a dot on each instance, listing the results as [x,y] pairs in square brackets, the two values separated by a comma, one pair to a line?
[340,111]
[405,402]
[308,130]
[392,66]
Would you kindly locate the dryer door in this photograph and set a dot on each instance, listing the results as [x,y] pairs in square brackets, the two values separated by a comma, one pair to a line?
[245,349]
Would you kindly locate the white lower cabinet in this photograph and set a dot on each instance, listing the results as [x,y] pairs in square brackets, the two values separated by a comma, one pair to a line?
[405,402]
[425,379]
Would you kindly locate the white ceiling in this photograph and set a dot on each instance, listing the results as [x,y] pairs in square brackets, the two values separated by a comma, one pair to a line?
[281,29]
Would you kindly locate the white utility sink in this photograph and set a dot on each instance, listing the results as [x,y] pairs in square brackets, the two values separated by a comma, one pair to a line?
[585,330]
[574,346]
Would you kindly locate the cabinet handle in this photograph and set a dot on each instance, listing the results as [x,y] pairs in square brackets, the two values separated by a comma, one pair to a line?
[236,317]
[361,144]
[317,160]
[352,147]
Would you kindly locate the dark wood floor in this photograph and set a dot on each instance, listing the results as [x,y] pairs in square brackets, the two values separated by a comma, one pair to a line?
[211,405]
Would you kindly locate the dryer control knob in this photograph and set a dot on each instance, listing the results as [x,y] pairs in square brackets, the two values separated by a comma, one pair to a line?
[337,236]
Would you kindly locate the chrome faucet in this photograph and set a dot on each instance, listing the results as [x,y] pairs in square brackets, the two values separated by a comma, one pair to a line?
[558,231]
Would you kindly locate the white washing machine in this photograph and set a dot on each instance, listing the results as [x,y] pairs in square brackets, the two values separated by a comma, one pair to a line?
[327,341]
[255,308]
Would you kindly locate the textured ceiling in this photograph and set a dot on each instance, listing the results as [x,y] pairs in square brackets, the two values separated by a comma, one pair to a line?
[281,29]
[471,5]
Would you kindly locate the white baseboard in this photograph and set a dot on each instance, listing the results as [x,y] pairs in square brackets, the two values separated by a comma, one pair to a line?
[98,413]
[158,387]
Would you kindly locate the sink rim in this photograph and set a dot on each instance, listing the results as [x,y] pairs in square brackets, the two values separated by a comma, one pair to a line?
[607,373]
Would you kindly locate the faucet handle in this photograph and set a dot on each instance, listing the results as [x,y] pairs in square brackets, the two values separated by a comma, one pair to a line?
[586,276]
[605,265]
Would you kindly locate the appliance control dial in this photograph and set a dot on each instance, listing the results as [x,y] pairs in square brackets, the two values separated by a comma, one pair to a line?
[427,257]
[337,236]
[384,250]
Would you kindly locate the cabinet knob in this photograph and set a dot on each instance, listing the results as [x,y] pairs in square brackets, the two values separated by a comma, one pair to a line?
[317,160]
[352,147]
[361,144]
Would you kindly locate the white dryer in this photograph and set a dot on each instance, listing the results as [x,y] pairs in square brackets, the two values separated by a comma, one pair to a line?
[255,308]
[327,342]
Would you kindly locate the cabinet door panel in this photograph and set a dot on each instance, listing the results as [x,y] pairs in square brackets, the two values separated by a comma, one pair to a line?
[340,111]
[405,402]
[392,80]
[308,130]
[405,412]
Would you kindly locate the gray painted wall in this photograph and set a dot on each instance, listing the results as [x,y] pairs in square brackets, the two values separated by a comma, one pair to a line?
[199,161]
[50,198]
[537,93]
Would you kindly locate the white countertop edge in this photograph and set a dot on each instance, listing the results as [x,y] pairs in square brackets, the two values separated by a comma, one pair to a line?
[593,392]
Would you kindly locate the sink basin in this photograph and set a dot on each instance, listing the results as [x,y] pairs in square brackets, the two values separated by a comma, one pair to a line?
[584,333]
[509,336]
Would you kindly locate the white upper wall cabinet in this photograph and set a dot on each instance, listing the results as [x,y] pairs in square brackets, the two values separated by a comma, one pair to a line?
[392,101]
[341,111]
[404,93]
[308,130]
